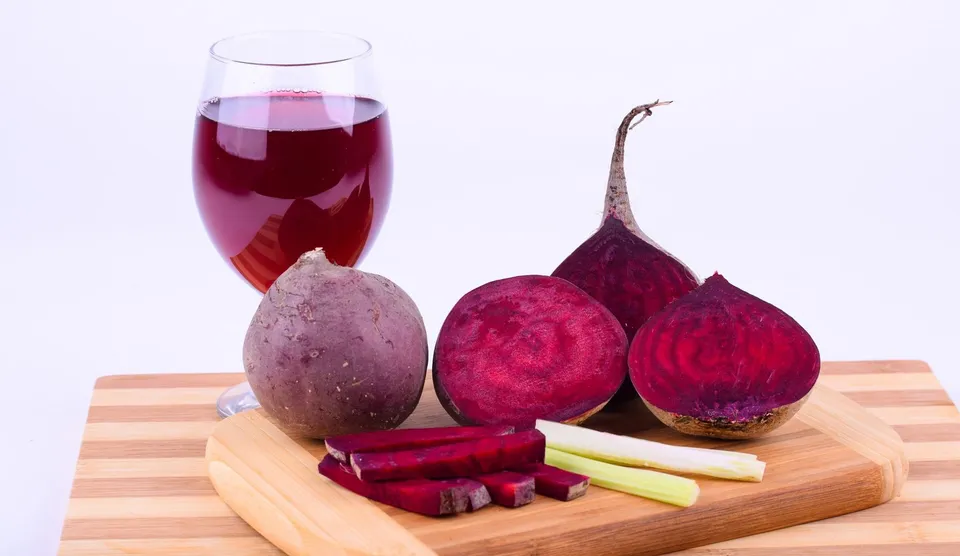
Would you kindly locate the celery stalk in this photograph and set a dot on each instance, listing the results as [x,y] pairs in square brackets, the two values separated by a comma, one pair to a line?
[727,453]
[635,452]
[655,485]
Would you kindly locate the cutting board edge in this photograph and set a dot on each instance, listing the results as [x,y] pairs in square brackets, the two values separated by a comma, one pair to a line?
[832,413]
[272,509]
[211,379]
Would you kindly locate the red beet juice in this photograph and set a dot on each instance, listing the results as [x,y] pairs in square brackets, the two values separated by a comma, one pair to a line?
[282,173]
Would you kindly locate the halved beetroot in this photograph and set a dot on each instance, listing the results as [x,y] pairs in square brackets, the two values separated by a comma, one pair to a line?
[463,459]
[722,363]
[555,482]
[342,446]
[508,488]
[422,496]
[525,348]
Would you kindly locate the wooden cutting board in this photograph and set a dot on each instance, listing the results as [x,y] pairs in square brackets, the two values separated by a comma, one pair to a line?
[142,487]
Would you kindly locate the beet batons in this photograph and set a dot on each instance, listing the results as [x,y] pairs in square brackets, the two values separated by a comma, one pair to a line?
[555,482]
[525,348]
[422,496]
[508,488]
[446,474]
[461,459]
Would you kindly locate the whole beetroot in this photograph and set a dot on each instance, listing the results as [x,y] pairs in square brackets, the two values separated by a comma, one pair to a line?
[333,350]
[621,266]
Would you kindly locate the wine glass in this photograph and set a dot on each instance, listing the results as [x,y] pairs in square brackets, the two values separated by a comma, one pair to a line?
[291,151]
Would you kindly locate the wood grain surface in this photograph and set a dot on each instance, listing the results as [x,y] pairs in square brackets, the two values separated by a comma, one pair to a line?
[141,485]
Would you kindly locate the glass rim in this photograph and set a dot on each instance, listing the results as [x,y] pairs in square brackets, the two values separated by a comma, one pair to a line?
[365,48]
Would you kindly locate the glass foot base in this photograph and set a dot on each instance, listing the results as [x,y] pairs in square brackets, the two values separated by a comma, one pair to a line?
[236,399]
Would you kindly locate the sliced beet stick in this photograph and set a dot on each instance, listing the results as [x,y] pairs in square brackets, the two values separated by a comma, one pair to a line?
[462,459]
[508,488]
[422,496]
[555,482]
[342,446]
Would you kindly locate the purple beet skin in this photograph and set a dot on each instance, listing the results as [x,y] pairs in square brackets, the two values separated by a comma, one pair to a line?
[759,363]
[332,350]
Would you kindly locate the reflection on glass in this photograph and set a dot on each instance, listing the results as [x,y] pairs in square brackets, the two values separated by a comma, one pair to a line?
[291,151]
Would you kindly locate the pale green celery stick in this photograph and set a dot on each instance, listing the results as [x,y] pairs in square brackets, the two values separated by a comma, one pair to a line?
[730,453]
[655,485]
[635,452]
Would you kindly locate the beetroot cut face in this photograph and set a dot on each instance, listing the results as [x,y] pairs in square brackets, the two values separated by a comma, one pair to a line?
[525,348]
[722,363]
[449,461]
[508,488]
[556,483]
[619,265]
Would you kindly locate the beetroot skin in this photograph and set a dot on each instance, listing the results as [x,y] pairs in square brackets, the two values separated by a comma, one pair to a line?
[619,265]
[525,348]
[422,496]
[332,350]
[722,363]
[342,446]
[461,459]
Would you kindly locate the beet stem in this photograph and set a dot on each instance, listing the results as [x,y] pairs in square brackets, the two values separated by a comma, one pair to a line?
[617,203]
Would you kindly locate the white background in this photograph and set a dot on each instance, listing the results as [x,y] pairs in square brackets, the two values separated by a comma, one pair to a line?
[810,156]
